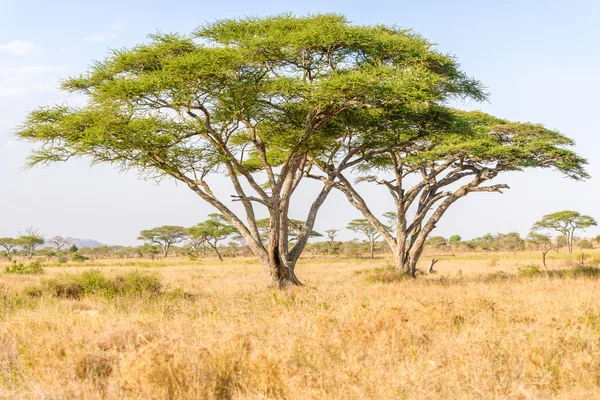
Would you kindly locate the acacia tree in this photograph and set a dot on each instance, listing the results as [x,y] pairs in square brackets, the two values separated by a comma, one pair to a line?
[331,234]
[164,236]
[196,242]
[60,242]
[542,243]
[29,241]
[8,244]
[251,99]
[566,223]
[365,228]
[461,154]
[212,231]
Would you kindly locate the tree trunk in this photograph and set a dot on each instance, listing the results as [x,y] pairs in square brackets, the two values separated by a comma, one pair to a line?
[544,259]
[372,250]
[216,251]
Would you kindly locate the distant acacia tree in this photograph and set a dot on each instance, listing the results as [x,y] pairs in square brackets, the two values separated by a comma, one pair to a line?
[541,242]
[363,227]
[215,229]
[565,222]
[60,242]
[30,240]
[460,155]
[253,100]
[164,236]
[8,244]
[331,234]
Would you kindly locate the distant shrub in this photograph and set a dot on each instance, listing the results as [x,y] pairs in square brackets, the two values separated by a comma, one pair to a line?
[34,267]
[530,270]
[383,275]
[79,258]
[94,282]
[586,244]
[577,272]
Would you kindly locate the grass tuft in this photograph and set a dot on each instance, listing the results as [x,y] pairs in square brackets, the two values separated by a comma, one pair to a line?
[34,267]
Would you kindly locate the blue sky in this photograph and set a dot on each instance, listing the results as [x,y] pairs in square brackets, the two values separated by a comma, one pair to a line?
[539,60]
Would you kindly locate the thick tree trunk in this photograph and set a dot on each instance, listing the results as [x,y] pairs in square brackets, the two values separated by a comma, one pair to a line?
[372,250]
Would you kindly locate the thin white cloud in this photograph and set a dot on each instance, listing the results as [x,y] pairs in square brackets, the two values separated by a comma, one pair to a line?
[21,48]
[114,28]
[21,81]
[11,143]
[117,26]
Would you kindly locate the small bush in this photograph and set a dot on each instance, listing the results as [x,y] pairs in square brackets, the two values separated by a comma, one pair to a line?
[79,258]
[94,282]
[493,262]
[577,272]
[383,275]
[34,267]
[530,270]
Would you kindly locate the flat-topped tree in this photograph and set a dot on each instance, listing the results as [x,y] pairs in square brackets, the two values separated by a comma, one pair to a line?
[164,236]
[247,99]
[365,228]
[215,229]
[29,241]
[8,244]
[566,223]
[462,153]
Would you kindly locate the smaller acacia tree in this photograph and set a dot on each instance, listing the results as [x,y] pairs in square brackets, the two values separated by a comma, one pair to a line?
[164,236]
[331,234]
[565,222]
[212,231]
[8,244]
[29,241]
[463,153]
[365,228]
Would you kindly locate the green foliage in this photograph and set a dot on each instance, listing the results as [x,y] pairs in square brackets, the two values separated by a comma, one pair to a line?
[363,227]
[384,275]
[530,270]
[585,244]
[511,241]
[164,236]
[437,242]
[94,282]
[454,239]
[79,257]
[564,222]
[34,267]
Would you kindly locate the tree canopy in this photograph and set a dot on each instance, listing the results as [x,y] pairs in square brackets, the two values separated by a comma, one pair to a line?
[164,236]
[212,231]
[565,222]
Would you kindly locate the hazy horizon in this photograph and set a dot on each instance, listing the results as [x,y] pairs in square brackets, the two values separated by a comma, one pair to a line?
[534,57]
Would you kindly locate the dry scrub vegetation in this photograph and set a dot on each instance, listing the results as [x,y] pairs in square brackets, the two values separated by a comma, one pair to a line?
[477,329]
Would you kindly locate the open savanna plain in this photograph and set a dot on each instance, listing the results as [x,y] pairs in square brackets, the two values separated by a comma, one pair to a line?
[486,326]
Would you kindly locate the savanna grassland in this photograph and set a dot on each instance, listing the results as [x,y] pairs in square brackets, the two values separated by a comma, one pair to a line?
[486,326]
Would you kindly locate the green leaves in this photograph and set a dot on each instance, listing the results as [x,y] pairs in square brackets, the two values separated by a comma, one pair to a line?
[564,221]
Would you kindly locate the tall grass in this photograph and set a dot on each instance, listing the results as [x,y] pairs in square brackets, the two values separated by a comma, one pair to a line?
[353,332]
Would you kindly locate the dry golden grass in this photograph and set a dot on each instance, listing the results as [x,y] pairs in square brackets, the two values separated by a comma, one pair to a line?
[453,335]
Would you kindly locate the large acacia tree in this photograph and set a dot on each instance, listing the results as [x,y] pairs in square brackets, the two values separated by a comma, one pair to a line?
[249,99]
[461,153]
